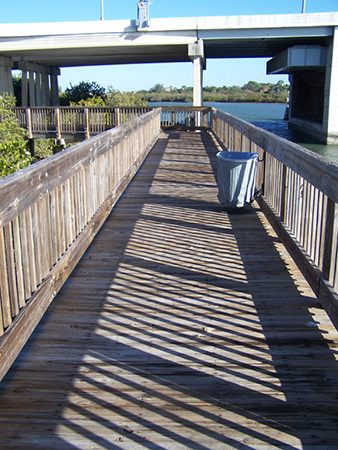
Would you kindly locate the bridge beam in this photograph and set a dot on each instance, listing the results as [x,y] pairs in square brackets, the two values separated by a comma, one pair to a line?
[196,54]
[6,80]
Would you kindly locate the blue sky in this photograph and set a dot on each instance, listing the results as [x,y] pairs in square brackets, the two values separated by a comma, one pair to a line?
[219,72]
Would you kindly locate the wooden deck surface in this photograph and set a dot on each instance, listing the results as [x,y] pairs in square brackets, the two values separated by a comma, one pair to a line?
[185,326]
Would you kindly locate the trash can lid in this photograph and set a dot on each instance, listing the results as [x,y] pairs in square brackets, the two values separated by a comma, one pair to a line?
[237,156]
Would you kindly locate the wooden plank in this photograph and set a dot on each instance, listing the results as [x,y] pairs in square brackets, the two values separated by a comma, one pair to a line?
[4,284]
[313,275]
[31,251]
[25,257]
[186,325]
[328,237]
[19,269]
[11,269]
[15,338]
[47,174]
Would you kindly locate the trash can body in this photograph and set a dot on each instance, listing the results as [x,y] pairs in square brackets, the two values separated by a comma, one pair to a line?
[236,173]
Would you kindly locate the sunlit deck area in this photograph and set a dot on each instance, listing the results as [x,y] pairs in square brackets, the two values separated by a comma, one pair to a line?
[186,325]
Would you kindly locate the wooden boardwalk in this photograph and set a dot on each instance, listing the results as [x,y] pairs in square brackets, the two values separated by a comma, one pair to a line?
[185,326]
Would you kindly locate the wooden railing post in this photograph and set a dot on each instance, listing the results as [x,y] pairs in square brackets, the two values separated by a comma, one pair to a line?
[284,189]
[29,123]
[117,117]
[58,124]
[172,118]
[87,124]
[328,237]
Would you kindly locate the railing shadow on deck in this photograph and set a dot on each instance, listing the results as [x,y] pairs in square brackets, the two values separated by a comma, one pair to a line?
[226,393]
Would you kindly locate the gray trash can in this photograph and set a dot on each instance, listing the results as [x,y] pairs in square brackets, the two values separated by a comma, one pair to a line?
[236,173]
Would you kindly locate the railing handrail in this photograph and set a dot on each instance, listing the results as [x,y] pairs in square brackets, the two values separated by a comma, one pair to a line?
[316,169]
[49,214]
[300,198]
[85,121]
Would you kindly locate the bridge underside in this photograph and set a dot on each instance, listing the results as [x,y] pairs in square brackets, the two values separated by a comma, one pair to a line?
[39,50]
[185,325]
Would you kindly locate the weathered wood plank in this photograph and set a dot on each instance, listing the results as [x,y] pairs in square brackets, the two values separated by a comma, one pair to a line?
[185,325]
[46,175]
[16,336]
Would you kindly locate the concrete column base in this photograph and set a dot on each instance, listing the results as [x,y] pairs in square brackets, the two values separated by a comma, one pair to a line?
[313,130]
[6,81]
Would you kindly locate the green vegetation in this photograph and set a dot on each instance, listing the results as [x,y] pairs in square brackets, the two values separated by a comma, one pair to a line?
[92,94]
[249,92]
[44,148]
[13,150]
[83,91]
[13,144]
[117,98]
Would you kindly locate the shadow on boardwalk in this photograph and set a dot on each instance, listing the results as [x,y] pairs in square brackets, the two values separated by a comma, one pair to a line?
[185,326]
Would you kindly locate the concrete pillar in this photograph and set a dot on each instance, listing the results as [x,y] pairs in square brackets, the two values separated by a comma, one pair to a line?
[196,54]
[6,81]
[198,81]
[55,90]
[32,101]
[45,90]
[42,80]
[24,89]
[38,91]
[330,119]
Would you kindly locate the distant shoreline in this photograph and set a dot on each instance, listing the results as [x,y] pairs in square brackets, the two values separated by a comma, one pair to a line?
[165,99]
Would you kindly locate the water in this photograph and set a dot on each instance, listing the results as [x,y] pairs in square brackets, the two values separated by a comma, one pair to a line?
[269,116]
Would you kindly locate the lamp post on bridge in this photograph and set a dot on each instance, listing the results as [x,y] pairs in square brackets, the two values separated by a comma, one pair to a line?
[303,8]
[102,18]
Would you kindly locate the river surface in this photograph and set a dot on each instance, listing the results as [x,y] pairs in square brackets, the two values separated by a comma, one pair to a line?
[268,116]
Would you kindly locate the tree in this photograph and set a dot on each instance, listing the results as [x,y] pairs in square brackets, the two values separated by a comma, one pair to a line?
[252,86]
[13,150]
[280,86]
[17,85]
[82,91]
[117,98]
[157,88]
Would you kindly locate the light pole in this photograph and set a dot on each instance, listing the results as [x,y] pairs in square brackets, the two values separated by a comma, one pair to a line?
[102,18]
[303,8]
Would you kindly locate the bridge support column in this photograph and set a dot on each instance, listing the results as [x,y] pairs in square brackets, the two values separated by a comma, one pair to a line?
[196,54]
[54,90]
[330,119]
[38,90]
[6,81]
[42,87]
[31,83]
[313,88]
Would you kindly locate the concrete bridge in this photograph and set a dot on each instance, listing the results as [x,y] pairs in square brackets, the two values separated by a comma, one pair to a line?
[303,45]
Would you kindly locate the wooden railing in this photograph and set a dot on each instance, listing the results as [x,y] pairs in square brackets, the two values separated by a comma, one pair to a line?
[49,214]
[83,122]
[51,211]
[74,122]
[185,117]
[300,199]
